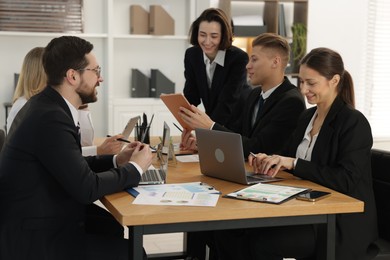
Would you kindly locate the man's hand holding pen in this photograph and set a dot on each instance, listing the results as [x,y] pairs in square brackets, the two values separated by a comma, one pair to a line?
[110,145]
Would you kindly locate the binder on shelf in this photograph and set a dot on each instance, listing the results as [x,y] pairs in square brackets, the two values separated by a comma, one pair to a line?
[159,84]
[249,30]
[140,84]
[139,20]
[282,22]
[160,22]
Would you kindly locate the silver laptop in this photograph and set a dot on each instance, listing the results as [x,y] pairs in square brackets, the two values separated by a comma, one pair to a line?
[130,126]
[221,156]
[158,176]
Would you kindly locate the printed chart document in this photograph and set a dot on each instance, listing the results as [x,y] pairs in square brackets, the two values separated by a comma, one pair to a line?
[268,193]
[178,194]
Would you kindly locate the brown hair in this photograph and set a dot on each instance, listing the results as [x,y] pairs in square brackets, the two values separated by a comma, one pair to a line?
[329,63]
[275,42]
[32,77]
[213,15]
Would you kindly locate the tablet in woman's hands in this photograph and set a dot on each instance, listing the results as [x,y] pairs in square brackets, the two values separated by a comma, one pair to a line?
[173,103]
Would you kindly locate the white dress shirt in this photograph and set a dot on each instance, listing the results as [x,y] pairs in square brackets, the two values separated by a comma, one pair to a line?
[211,65]
[305,148]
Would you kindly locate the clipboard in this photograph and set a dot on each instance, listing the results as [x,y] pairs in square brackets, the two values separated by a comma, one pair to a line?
[267,193]
[173,103]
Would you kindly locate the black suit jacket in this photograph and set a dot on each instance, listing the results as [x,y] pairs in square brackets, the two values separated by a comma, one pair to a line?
[278,119]
[45,183]
[227,84]
[341,161]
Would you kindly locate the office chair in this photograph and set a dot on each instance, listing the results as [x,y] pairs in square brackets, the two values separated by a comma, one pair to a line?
[380,161]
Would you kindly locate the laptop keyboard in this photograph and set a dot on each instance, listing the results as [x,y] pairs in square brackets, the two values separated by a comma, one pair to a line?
[153,175]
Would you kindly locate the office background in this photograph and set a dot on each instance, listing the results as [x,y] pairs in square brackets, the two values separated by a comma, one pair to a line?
[337,24]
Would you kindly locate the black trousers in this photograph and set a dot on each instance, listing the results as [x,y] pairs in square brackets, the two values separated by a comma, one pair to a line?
[100,222]
[105,236]
[273,243]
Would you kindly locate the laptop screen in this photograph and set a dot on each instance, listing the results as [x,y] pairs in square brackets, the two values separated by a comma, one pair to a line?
[130,126]
[164,152]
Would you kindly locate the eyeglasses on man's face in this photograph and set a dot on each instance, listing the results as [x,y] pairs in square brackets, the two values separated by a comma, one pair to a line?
[97,70]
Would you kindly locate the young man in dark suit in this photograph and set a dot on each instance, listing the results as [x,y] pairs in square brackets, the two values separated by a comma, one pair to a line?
[264,129]
[267,128]
[45,182]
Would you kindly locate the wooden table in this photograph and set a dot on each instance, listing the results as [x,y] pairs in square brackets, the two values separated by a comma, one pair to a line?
[229,213]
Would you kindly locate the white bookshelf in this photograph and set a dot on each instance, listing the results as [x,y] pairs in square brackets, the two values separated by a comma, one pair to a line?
[107,27]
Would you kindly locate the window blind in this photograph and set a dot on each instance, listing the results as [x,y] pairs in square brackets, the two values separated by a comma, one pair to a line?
[41,15]
[375,93]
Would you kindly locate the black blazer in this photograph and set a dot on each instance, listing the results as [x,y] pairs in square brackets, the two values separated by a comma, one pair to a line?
[341,161]
[277,121]
[45,183]
[226,87]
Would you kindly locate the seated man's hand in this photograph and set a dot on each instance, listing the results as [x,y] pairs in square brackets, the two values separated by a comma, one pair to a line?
[110,145]
[136,152]
[196,118]
[188,141]
[143,156]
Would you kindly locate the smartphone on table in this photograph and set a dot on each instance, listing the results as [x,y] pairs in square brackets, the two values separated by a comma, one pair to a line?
[313,195]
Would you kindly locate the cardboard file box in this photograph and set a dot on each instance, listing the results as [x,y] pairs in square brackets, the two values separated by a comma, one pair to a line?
[160,22]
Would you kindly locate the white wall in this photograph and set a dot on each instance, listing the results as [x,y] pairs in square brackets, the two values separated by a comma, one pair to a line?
[340,25]
[337,24]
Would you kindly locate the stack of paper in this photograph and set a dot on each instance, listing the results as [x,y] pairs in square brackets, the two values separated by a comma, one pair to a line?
[179,194]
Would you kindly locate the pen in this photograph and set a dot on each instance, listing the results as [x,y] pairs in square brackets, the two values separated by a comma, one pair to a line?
[121,139]
[254,155]
[181,130]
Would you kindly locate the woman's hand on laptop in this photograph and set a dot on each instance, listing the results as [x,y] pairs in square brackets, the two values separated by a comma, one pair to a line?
[270,164]
[196,118]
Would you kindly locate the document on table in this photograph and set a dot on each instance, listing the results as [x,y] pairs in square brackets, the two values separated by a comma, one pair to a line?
[188,158]
[268,193]
[180,194]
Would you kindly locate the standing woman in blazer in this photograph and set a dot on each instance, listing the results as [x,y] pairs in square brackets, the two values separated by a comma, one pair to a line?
[215,70]
[330,146]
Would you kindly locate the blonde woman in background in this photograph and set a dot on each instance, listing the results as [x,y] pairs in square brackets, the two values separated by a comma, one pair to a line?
[32,80]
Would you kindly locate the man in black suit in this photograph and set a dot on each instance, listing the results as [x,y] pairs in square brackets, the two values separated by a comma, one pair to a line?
[268,128]
[45,182]
[264,129]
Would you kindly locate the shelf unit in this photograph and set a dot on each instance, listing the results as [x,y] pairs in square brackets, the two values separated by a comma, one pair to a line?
[296,11]
[107,27]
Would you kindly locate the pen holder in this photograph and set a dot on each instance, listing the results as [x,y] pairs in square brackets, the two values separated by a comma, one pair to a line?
[142,132]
